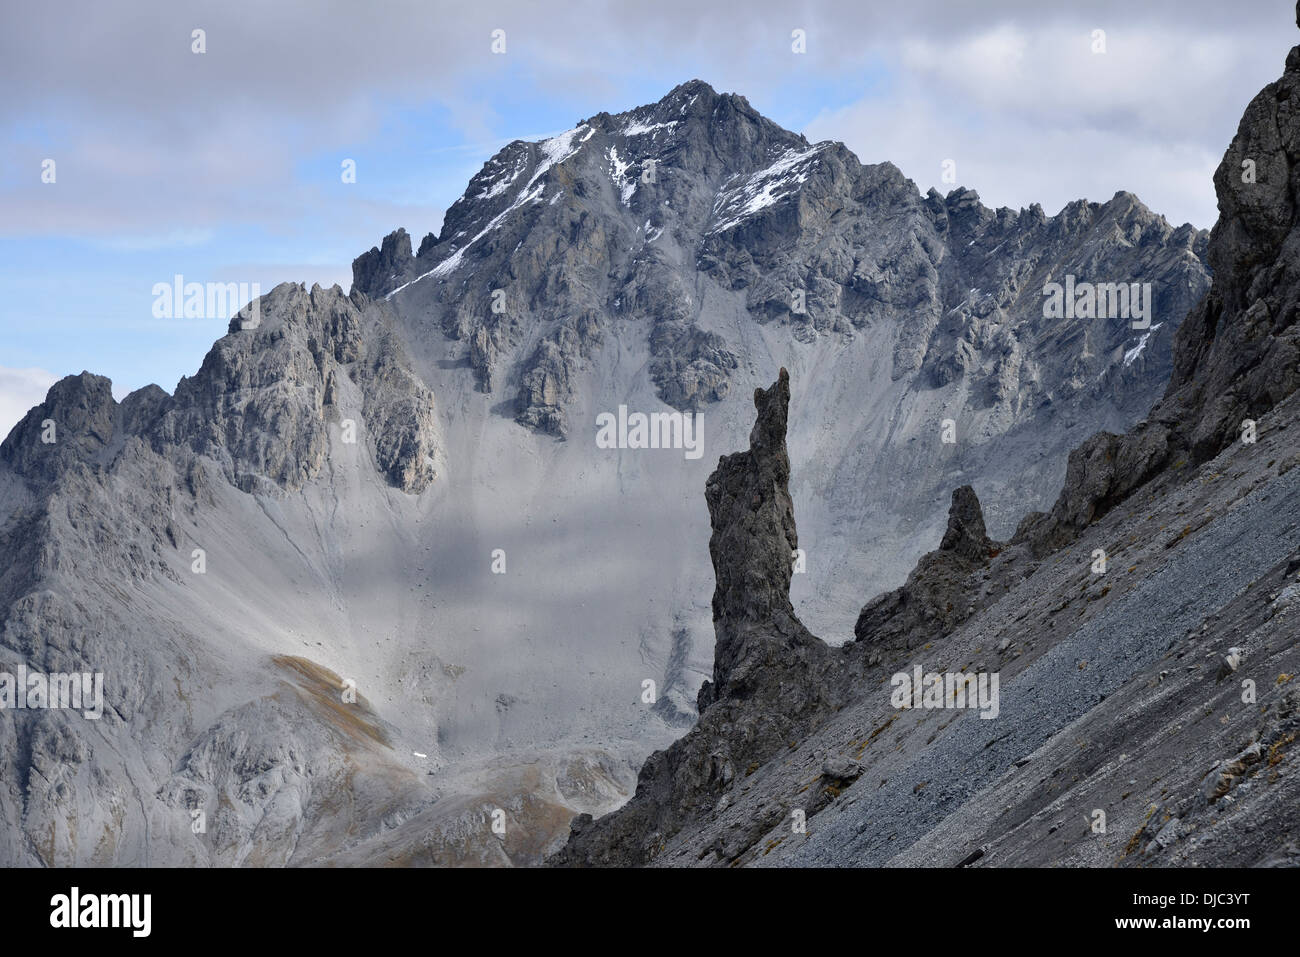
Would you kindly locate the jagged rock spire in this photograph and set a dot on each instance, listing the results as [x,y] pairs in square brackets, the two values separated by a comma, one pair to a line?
[772,679]
[754,539]
[966,535]
[375,272]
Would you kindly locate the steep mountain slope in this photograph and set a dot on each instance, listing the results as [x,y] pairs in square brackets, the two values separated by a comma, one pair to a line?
[400,488]
[1142,633]
[710,248]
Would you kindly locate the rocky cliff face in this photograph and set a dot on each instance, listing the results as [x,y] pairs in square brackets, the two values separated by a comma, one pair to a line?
[1108,621]
[260,405]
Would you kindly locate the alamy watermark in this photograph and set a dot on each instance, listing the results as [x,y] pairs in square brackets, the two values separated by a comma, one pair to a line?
[656,430]
[32,690]
[1102,300]
[208,300]
[128,911]
[922,689]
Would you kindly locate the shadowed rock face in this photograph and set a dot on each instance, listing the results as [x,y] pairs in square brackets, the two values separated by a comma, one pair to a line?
[965,535]
[752,548]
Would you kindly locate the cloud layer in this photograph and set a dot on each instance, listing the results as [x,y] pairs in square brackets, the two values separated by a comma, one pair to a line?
[157,141]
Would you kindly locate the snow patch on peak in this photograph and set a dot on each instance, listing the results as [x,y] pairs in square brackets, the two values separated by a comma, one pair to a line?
[640,128]
[617,170]
[454,260]
[554,151]
[765,188]
[501,183]
[558,149]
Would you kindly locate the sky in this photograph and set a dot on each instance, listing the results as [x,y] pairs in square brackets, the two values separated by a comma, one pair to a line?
[226,165]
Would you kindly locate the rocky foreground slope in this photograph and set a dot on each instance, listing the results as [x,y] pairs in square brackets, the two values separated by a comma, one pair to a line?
[1142,631]
[395,494]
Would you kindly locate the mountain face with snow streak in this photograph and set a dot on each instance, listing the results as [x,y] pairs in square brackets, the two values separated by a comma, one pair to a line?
[367,578]
[697,241]
[679,215]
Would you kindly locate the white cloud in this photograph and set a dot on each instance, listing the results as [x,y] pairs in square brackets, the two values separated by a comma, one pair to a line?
[1033,115]
[180,141]
[20,389]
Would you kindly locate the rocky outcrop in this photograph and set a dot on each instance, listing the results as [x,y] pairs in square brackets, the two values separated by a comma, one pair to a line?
[383,267]
[966,537]
[74,426]
[264,398]
[399,413]
[941,592]
[691,367]
[770,680]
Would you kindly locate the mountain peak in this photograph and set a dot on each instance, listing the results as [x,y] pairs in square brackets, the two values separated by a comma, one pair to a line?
[554,242]
[75,422]
[688,90]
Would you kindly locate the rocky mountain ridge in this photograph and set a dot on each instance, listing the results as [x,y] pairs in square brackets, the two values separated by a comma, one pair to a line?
[700,185]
